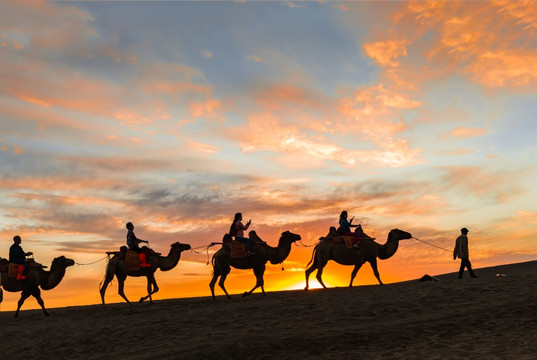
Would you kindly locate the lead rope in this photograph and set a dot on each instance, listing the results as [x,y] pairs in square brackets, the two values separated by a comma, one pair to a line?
[436,246]
[304,245]
[204,251]
[91,263]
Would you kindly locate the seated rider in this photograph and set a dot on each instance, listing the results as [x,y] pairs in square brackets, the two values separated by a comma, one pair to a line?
[254,238]
[359,235]
[18,256]
[132,243]
[237,230]
[345,225]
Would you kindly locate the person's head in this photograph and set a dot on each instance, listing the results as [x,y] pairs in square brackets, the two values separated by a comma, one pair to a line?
[343,214]
[129,226]
[17,239]
[464,231]
[238,217]
[227,239]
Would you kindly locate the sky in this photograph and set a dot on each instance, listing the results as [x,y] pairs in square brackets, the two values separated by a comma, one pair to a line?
[175,115]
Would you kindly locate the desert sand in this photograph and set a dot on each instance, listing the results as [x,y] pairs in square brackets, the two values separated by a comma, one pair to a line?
[491,317]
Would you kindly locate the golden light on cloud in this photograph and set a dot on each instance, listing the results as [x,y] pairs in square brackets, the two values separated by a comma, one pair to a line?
[386,52]
[505,68]
[468,132]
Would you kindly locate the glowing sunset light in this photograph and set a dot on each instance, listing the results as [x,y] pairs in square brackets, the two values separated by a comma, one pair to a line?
[417,115]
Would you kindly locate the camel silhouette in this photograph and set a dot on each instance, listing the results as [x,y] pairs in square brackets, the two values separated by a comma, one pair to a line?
[368,251]
[117,267]
[222,261]
[36,278]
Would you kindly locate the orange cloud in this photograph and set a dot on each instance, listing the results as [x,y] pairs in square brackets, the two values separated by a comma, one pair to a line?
[200,147]
[489,42]
[207,108]
[507,68]
[386,52]
[465,132]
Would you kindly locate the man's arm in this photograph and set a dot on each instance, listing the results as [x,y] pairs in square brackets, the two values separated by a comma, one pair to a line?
[456,249]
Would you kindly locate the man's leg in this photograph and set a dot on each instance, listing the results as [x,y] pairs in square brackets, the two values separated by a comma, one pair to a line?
[469,267]
[461,269]
[19,274]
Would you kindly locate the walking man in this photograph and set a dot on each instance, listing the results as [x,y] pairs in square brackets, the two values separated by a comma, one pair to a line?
[461,251]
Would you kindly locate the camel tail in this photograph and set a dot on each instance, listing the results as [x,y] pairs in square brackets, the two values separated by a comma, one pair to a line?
[312,255]
[1,295]
[105,272]
[212,263]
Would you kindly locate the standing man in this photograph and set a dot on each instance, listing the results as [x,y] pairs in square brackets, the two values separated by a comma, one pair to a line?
[18,256]
[461,251]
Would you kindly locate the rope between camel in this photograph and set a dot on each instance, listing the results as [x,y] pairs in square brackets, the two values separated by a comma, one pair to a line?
[436,246]
[91,263]
[304,245]
[204,251]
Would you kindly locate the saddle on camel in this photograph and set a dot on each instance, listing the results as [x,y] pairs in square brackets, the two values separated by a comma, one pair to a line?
[132,258]
[238,248]
[15,272]
[350,241]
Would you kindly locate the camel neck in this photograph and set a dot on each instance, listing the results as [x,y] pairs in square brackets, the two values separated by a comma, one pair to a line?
[280,253]
[169,262]
[51,279]
[387,250]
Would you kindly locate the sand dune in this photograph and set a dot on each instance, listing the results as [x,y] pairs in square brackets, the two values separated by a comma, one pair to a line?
[491,317]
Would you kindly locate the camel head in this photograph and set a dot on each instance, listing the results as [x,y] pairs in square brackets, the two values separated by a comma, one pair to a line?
[63,262]
[399,234]
[180,247]
[289,236]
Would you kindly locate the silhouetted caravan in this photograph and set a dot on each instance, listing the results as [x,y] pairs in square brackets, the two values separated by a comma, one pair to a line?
[334,248]
[222,260]
[36,278]
[118,266]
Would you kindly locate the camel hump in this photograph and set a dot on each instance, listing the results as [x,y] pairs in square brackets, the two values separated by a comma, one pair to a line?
[333,239]
[34,264]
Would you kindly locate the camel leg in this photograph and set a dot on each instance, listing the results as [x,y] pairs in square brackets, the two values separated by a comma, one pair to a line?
[355,271]
[109,276]
[258,272]
[216,275]
[373,264]
[152,288]
[24,295]
[1,295]
[37,295]
[121,285]
[319,275]
[221,283]
[311,269]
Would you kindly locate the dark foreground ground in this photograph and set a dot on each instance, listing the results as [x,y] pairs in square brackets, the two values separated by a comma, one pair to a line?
[489,317]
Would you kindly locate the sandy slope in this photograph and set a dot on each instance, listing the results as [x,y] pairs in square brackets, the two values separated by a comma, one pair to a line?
[486,318]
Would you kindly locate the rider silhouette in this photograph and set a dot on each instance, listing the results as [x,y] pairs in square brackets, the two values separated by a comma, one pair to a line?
[18,256]
[132,243]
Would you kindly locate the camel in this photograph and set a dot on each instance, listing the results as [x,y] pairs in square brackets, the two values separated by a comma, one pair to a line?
[116,266]
[262,253]
[36,278]
[368,250]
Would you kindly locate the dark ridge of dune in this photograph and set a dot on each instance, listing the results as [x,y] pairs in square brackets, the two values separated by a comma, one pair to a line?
[491,317]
